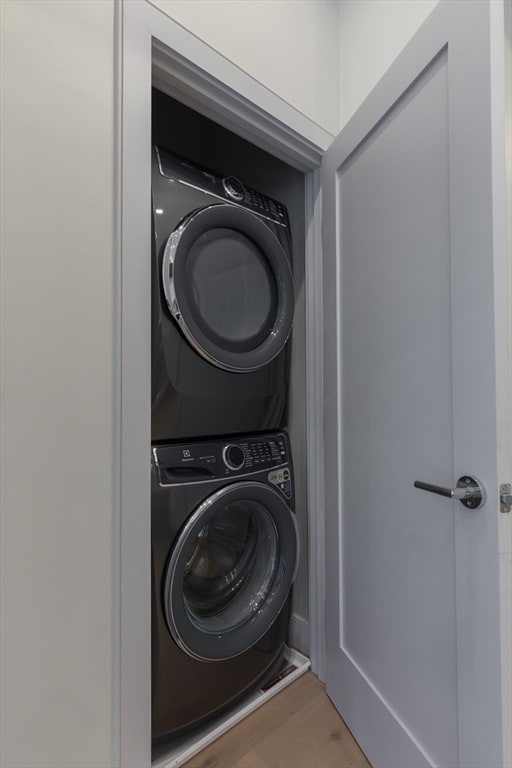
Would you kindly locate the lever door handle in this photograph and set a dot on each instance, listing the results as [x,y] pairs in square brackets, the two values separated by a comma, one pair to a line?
[469,491]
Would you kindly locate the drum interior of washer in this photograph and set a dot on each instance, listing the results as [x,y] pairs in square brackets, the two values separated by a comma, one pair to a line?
[230,567]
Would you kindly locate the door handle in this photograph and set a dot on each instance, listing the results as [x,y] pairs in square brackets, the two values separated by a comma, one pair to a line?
[469,491]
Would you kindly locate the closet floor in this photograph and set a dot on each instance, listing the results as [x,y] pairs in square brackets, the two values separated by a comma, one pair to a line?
[298,728]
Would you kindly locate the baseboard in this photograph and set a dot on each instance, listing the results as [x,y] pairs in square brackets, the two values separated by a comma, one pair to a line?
[181,750]
[298,635]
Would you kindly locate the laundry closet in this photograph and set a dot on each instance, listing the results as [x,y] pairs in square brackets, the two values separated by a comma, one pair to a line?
[226,398]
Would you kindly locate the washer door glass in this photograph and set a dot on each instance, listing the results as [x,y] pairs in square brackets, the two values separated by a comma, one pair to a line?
[230,571]
[228,283]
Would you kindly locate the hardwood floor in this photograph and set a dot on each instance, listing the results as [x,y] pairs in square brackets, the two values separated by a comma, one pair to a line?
[298,728]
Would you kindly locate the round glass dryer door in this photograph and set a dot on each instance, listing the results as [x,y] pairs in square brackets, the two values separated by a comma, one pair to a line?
[229,286]
[230,571]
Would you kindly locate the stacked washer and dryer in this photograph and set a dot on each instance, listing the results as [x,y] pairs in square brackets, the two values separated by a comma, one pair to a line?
[224,539]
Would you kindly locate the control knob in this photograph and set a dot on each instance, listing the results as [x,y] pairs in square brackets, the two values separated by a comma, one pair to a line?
[234,457]
[234,188]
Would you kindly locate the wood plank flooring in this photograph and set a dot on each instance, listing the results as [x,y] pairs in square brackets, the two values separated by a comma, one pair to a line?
[298,728]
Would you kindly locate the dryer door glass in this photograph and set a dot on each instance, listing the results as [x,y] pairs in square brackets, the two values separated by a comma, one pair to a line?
[228,284]
[231,571]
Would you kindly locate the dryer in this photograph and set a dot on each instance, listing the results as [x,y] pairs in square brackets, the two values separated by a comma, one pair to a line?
[222,304]
[224,547]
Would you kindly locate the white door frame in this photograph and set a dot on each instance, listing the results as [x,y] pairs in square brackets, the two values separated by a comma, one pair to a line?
[153,49]
[501,80]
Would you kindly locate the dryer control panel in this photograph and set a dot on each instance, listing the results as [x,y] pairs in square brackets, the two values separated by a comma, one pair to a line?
[227,188]
[198,461]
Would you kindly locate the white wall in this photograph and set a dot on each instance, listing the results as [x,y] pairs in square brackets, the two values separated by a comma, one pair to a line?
[56,370]
[371,35]
[290,47]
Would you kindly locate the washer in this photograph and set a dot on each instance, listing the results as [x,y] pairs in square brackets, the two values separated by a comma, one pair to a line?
[225,550]
[222,304]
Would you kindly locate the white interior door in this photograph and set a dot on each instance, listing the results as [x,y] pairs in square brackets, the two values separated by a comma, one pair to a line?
[412,580]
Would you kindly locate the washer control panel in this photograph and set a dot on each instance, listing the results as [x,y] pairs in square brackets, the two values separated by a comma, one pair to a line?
[282,479]
[203,461]
[264,452]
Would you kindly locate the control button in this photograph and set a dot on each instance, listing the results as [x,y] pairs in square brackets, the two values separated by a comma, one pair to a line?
[234,188]
[234,457]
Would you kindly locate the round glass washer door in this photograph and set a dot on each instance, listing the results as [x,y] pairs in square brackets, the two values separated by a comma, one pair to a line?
[230,571]
[228,284]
